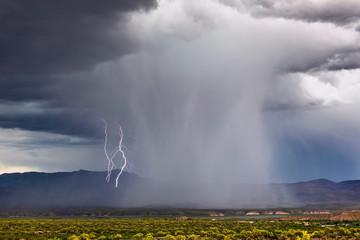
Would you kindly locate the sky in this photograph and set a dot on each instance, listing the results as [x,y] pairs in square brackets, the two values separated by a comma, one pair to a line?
[212,91]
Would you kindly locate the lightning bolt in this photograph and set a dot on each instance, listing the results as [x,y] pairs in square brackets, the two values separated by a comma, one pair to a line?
[110,159]
[110,156]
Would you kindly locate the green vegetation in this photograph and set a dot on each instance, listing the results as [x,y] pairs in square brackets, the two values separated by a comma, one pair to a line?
[173,228]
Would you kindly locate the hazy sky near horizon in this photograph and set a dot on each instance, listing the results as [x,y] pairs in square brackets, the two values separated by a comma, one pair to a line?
[206,91]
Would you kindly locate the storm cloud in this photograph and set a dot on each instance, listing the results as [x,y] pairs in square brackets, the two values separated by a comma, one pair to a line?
[207,92]
[337,12]
[48,37]
[42,42]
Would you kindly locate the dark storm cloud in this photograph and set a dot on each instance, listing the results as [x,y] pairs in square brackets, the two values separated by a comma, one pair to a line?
[340,60]
[42,36]
[41,41]
[343,14]
[344,59]
[337,12]
[22,88]
[347,60]
[67,122]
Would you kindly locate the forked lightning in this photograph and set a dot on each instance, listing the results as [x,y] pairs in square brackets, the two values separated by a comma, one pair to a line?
[110,157]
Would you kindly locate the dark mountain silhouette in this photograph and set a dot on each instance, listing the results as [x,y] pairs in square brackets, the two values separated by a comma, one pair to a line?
[85,188]
[89,188]
[325,191]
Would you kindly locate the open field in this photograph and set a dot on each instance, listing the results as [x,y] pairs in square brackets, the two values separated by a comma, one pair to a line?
[179,228]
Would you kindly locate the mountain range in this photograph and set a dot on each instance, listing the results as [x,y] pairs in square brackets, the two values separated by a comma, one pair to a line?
[89,188]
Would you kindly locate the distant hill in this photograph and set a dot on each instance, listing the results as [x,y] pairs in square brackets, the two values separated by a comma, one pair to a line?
[79,188]
[89,188]
[324,191]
